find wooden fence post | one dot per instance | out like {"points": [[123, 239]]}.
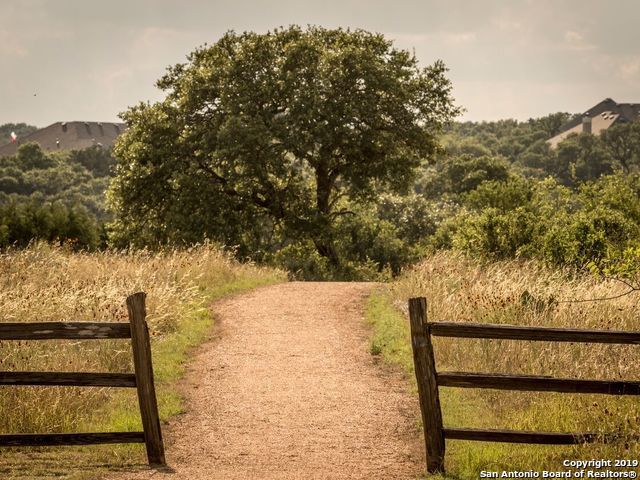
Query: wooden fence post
{"points": [[144, 379], [425, 368]]}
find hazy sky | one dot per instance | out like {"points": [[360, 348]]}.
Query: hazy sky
{"points": [[88, 60]]}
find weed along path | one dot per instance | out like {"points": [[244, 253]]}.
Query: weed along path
{"points": [[287, 389]]}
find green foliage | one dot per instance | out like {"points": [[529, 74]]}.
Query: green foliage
{"points": [[21, 223], [581, 158], [302, 261], [20, 129], [504, 195], [589, 235], [31, 157], [495, 234], [413, 216], [96, 160], [462, 174], [365, 239], [507, 138], [622, 142], [520, 218], [624, 265], [34, 174], [537, 161], [268, 140], [53, 196], [317, 150], [509, 194]]}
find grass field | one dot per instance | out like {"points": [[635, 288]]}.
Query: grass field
{"points": [[43, 283], [523, 293]]}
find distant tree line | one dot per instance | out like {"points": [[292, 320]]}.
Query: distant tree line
{"points": [[20, 129], [333, 154], [57, 197], [500, 191], [480, 194]]}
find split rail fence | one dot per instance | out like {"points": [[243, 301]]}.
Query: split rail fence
{"points": [[429, 380], [142, 379]]}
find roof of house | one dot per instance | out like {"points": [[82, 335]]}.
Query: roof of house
{"points": [[69, 136], [601, 116]]}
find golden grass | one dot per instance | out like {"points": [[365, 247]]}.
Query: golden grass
{"points": [[526, 293], [44, 283]]}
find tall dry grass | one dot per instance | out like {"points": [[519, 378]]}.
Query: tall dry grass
{"points": [[43, 283], [527, 293]]}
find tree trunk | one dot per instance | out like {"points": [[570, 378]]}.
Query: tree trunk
{"points": [[324, 239], [324, 185], [327, 250]]}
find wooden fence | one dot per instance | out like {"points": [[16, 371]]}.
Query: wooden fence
{"points": [[429, 380], [142, 379]]}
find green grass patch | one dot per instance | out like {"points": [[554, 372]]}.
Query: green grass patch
{"points": [[392, 341], [391, 336]]}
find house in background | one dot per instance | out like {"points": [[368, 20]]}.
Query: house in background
{"points": [[598, 118], [69, 136]]}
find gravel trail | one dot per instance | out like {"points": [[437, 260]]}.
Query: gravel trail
{"points": [[287, 389]]}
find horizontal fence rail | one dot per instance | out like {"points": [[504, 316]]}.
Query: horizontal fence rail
{"points": [[63, 331], [511, 436], [55, 439], [429, 380], [70, 379], [530, 383], [541, 334], [142, 380]]}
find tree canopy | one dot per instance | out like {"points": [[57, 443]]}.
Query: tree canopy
{"points": [[53, 196], [265, 139], [20, 129]]}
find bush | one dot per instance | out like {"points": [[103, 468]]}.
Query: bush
{"points": [[22, 223], [542, 219], [495, 234], [302, 261], [591, 236]]}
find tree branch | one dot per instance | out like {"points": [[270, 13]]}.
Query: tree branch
{"points": [[224, 183], [632, 288]]}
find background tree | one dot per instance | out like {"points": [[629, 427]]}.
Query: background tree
{"points": [[283, 132], [580, 158], [20, 129], [53, 196], [622, 141]]}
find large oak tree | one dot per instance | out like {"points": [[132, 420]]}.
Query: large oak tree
{"points": [[275, 135]]}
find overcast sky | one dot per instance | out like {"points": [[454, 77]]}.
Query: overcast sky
{"points": [[88, 60]]}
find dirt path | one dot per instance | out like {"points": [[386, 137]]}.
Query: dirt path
{"points": [[288, 390]]}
